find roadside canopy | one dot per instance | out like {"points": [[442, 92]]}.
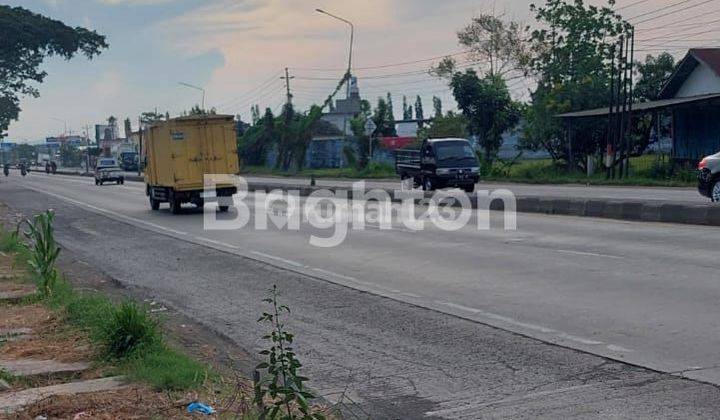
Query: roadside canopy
{"points": [[642, 106]]}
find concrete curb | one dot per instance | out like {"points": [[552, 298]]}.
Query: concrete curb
{"points": [[641, 211]]}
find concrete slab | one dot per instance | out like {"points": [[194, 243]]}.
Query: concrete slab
{"points": [[14, 401], [15, 296], [31, 367], [14, 334]]}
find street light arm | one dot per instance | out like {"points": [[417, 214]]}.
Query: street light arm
{"points": [[352, 37]]}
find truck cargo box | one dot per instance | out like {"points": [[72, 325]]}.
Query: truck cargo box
{"points": [[179, 152]]}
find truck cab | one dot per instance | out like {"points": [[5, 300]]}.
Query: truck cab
{"points": [[440, 163]]}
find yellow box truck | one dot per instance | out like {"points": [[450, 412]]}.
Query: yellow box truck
{"points": [[179, 152]]}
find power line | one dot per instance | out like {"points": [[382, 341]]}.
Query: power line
{"points": [[682, 23], [384, 66], [675, 11], [269, 81], [637, 3], [675, 37]]}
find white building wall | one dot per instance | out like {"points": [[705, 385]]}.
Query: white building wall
{"points": [[702, 81]]}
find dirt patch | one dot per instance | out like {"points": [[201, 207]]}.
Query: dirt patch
{"points": [[35, 317], [131, 403], [53, 342]]}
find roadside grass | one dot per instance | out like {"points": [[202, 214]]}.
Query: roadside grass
{"points": [[647, 170], [130, 338], [373, 171]]}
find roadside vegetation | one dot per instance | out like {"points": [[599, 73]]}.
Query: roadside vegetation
{"points": [[372, 171], [129, 341], [129, 337], [647, 170]]}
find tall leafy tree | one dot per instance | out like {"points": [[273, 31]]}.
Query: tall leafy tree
{"points": [[487, 106], [407, 113], [257, 140], [444, 126], [390, 122], [499, 43], [571, 56], [419, 109], [652, 74], [382, 117], [437, 107], [26, 39]]}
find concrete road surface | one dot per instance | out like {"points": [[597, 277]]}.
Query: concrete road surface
{"points": [[643, 293]]}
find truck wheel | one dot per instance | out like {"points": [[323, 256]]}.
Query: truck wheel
{"points": [[469, 188], [427, 184], [154, 204], [175, 204]]}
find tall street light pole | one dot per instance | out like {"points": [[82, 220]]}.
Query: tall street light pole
{"points": [[352, 37], [196, 88]]}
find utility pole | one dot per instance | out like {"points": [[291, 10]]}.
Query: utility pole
{"points": [[610, 128], [287, 85], [631, 99]]}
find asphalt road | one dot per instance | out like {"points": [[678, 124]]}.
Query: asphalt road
{"points": [[682, 195], [639, 292], [672, 194]]}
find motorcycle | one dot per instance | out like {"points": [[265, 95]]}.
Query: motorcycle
{"points": [[6, 169], [23, 170]]}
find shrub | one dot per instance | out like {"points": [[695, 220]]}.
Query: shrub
{"points": [[44, 250], [166, 369], [128, 329]]}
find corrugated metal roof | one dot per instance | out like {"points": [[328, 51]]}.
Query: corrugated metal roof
{"points": [[642, 106]]}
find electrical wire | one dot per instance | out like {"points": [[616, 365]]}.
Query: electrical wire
{"points": [[675, 11]]}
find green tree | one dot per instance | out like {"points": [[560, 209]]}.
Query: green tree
{"points": [[390, 122], [448, 126], [652, 76], [383, 119], [70, 156], [437, 107], [197, 110], [487, 106], [26, 39], [151, 117], [407, 113], [256, 142], [501, 44], [570, 56], [419, 109]]}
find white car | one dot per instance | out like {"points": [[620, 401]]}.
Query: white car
{"points": [[108, 170]]}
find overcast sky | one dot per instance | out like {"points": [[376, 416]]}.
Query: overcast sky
{"points": [[237, 50]]}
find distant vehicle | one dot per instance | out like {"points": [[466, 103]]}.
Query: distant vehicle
{"points": [[709, 177], [129, 161], [179, 152], [440, 163], [107, 170]]}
